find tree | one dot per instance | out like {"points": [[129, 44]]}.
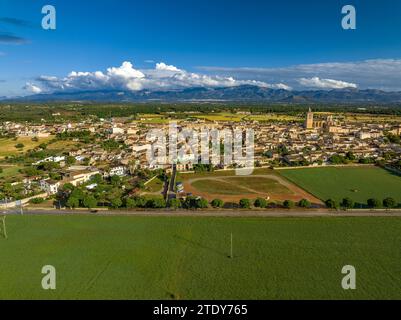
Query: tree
{"points": [[68, 187], [156, 203], [130, 203], [331, 204], [288, 204], [245, 203], [70, 160], [19, 146], [72, 202], [97, 178], [174, 203], [89, 201], [304, 203], [350, 156], [217, 203], [347, 203], [140, 202], [115, 180], [389, 203], [373, 203], [116, 203], [202, 203], [260, 203]]}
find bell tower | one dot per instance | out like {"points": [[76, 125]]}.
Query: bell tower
{"points": [[309, 120]]}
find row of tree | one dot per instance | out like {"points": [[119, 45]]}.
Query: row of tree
{"points": [[348, 203]]}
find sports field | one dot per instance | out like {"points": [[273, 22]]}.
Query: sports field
{"points": [[358, 183], [229, 187], [187, 257]]}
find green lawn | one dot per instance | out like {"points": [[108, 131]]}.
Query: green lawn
{"points": [[187, 257], [240, 185], [260, 184], [358, 183], [219, 187]]}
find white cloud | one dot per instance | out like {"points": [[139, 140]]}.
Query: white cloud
{"points": [[383, 74], [316, 82], [32, 88], [163, 66], [126, 77]]}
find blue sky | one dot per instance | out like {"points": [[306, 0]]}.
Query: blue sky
{"points": [[271, 42]]}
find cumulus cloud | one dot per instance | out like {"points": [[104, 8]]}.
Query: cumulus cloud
{"points": [[126, 77], [383, 74], [316, 82], [32, 88]]}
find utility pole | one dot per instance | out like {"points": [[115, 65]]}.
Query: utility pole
{"points": [[231, 251], [4, 226]]}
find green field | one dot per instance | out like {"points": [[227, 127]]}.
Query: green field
{"points": [[240, 185], [187, 257], [358, 183]]}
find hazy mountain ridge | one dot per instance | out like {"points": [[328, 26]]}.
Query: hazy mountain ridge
{"points": [[240, 93]]}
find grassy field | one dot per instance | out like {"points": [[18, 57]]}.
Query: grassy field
{"points": [[7, 146], [187, 257], [240, 185], [11, 171], [227, 186], [358, 183]]}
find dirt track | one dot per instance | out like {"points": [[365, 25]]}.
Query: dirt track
{"points": [[295, 213]]}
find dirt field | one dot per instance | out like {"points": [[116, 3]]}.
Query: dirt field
{"points": [[233, 188]]}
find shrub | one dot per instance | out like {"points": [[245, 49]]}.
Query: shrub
{"points": [[260, 203], [304, 203], [156, 203], [347, 203], [245, 203], [174, 203], [37, 200], [330, 203], [130, 203], [217, 203], [389, 203], [288, 204], [373, 203]]}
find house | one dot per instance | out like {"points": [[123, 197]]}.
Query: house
{"points": [[49, 186], [79, 177]]}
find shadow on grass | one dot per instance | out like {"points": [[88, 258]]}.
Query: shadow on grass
{"points": [[200, 245]]}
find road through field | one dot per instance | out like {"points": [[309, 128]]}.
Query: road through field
{"points": [[225, 213]]}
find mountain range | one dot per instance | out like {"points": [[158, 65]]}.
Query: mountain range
{"points": [[244, 93]]}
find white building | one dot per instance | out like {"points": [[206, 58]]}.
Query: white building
{"points": [[49, 186]]}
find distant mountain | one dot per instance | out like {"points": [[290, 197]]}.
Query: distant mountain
{"points": [[240, 93]]}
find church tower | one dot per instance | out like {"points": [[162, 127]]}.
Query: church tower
{"points": [[309, 120]]}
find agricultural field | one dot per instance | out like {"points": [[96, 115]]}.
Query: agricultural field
{"points": [[126, 257], [8, 146], [229, 187], [357, 183]]}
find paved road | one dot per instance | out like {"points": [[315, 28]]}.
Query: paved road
{"points": [[225, 213]]}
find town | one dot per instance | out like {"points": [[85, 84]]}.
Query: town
{"points": [[109, 157]]}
